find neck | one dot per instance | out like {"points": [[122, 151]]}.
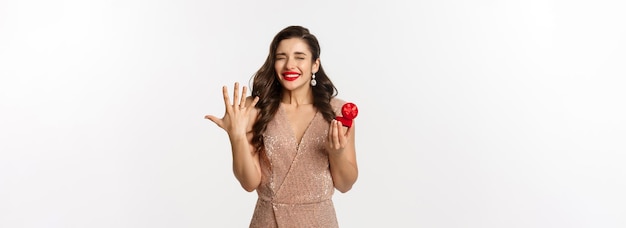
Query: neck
{"points": [[298, 97]]}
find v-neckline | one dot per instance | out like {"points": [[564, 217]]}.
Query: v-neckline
{"points": [[294, 137]]}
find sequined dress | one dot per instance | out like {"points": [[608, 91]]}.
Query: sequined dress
{"points": [[297, 190]]}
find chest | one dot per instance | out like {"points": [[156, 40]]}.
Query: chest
{"points": [[298, 120]]}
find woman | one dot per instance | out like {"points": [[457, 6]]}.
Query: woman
{"points": [[285, 142]]}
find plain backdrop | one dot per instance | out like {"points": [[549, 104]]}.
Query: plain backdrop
{"points": [[483, 113]]}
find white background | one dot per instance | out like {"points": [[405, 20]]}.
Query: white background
{"points": [[472, 113]]}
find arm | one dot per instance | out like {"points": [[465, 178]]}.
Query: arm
{"points": [[246, 165], [237, 122], [342, 156]]}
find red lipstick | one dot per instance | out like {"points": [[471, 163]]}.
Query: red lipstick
{"points": [[291, 75]]}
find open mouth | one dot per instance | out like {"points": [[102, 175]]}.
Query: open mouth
{"points": [[291, 76]]}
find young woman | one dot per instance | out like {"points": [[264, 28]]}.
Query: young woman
{"points": [[286, 143]]}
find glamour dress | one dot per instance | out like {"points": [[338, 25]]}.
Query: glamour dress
{"points": [[297, 190]]}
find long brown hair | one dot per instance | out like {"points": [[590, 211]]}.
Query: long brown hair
{"points": [[269, 90]]}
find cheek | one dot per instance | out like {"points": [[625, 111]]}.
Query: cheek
{"points": [[277, 66], [305, 66]]}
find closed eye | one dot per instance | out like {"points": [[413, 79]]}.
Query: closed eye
{"points": [[280, 56]]}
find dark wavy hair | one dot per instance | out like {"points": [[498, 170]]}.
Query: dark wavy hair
{"points": [[269, 90]]}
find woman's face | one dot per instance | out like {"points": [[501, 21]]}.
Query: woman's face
{"points": [[293, 64]]}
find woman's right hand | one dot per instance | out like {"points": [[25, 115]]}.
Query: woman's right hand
{"points": [[237, 115]]}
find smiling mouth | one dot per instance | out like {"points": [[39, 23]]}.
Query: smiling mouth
{"points": [[291, 76]]}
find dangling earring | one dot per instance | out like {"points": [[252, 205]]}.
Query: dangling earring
{"points": [[313, 82]]}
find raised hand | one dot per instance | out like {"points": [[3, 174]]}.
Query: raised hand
{"points": [[237, 115], [338, 137]]}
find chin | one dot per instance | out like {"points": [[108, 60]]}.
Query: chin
{"points": [[292, 86]]}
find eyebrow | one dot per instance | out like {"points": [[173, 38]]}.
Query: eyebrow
{"points": [[297, 53]]}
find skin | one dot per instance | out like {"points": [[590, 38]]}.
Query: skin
{"points": [[292, 55]]}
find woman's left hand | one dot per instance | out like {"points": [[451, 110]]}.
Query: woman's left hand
{"points": [[337, 137], [342, 155]]}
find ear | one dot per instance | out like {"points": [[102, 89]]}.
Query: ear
{"points": [[316, 66]]}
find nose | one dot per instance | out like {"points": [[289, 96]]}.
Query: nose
{"points": [[290, 64]]}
